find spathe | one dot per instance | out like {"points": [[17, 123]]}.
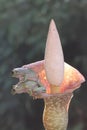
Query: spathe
{"points": [[71, 81]]}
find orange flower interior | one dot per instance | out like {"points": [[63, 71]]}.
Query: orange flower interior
{"points": [[72, 80]]}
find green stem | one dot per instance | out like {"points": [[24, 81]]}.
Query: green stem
{"points": [[55, 116]]}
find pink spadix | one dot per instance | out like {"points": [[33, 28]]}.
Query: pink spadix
{"points": [[54, 60]]}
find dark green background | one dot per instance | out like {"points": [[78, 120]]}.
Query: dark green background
{"points": [[23, 31]]}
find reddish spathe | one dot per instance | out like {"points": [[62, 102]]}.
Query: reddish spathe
{"points": [[72, 78]]}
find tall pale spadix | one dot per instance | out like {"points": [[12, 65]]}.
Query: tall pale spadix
{"points": [[54, 60]]}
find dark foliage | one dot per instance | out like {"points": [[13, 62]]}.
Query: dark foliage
{"points": [[23, 30]]}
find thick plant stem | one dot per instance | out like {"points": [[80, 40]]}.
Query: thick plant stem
{"points": [[55, 116]]}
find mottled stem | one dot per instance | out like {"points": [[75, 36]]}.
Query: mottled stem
{"points": [[55, 116]]}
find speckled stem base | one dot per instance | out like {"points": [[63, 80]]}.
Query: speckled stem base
{"points": [[55, 116]]}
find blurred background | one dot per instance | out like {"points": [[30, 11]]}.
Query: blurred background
{"points": [[23, 31]]}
